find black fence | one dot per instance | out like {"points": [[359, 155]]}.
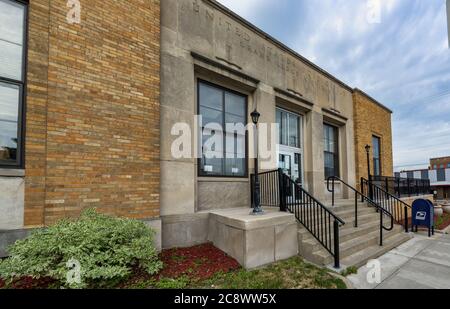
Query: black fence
{"points": [[279, 190], [403, 187]]}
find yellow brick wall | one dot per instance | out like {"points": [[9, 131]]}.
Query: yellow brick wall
{"points": [[92, 137], [371, 119]]}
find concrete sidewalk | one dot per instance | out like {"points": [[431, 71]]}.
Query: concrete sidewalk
{"points": [[421, 263]]}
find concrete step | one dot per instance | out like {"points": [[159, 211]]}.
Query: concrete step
{"points": [[310, 243], [361, 258], [350, 222], [354, 240], [351, 246], [346, 214], [343, 203]]}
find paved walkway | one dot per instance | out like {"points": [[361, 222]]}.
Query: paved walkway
{"points": [[421, 263]]}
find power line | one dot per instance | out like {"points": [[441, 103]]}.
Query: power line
{"points": [[397, 166]]}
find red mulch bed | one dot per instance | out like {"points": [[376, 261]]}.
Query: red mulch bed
{"points": [[198, 263], [27, 283], [445, 221], [445, 218]]}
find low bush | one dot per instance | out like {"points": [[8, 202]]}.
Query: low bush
{"points": [[94, 251]]}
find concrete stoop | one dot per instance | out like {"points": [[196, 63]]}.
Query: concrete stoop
{"points": [[358, 245]]}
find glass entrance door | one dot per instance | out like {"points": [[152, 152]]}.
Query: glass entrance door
{"points": [[290, 163], [290, 152]]}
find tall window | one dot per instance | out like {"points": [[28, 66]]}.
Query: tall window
{"points": [[289, 128], [12, 80], [220, 110], [331, 153], [376, 145]]}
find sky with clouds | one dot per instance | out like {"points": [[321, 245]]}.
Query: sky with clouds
{"points": [[403, 60]]}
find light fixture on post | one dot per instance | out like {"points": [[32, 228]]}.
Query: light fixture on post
{"points": [[257, 210]]}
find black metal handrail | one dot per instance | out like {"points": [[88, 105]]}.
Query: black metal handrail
{"points": [[394, 205], [332, 191], [380, 209], [278, 189], [399, 186]]}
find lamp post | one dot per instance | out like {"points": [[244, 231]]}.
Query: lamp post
{"points": [[369, 177], [257, 210]]}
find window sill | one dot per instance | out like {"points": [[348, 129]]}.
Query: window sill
{"points": [[222, 179], [6, 172]]}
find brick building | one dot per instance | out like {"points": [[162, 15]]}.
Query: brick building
{"points": [[79, 104], [440, 163], [87, 110], [372, 127]]}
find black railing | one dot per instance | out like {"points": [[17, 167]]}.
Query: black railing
{"points": [[278, 189], [402, 187], [331, 188], [364, 198], [397, 208]]}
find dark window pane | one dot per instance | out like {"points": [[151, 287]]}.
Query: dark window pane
{"points": [[211, 97], [9, 115], [235, 167], [213, 167], [284, 128], [441, 175], [227, 157], [331, 151], [278, 120], [294, 131], [289, 125], [210, 115], [376, 150], [425, 175], [233, 120], [235, 105]]}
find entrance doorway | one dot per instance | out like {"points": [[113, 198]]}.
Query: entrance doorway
{"points": [[289, 148]]}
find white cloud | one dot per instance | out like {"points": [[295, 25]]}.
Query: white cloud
{"points": [[404, 61], [246, 8]]}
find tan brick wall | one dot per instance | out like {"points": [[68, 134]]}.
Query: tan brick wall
{"points": [[371, 119], [92, 135]]}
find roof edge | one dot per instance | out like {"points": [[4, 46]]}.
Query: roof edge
{"points": [[357, 90], [289, 50], [281, 45]]}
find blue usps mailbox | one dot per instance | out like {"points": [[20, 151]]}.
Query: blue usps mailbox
{"points": [[423, 215]]}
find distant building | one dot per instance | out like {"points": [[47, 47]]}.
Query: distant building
{"points": [[439, 163], [438, 173]]}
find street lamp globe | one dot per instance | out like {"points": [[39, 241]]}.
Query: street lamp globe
{"points": [[255, 116]]}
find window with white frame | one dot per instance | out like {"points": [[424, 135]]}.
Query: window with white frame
{"points": [[289, 128]]}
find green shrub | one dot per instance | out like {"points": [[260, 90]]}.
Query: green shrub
{"points": [[352, 270], [106, 248], [172, 284]]}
